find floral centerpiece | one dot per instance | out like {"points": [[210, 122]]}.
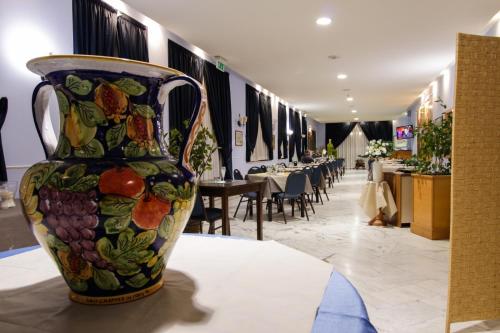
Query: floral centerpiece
{"points": [[378, 148]]}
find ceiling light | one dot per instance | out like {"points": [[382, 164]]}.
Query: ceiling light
{"points": [[354, 111], [342, 76], [349, 99], [356, 119], [323, 21]]}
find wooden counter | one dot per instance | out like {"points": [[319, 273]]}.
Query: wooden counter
{"points": [[402, 191]]}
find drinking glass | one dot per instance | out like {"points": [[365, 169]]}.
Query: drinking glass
{"points": [[222, 172]]}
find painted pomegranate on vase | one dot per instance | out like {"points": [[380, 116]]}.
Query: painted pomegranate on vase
{"points": [[108, 204]]}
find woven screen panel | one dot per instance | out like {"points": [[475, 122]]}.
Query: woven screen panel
{"points": [[474, 288]]}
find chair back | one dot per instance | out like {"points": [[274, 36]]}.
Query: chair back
{"points": [[295, 183], [308, 171], [199, 208], [237, 175], [283, 164], [254, 170], [316, 176], [324, 170], [264, 168]]}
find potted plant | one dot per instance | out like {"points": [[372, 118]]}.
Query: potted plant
{"points": [[432, 181], [201, 155]]}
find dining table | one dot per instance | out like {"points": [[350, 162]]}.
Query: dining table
{"points": [[227, 188], [212, 283], [275, 182]]}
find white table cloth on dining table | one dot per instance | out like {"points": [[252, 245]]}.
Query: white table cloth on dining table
{"points": [[276, 182], [375, 196], [212, 284]]}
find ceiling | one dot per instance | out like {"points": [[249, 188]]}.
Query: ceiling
{"points": [[390, 49]]}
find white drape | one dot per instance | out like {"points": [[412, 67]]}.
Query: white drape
{"points": [[261, 152], [354, 145]]}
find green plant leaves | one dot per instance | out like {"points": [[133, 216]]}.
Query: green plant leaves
{"points": [[77, 85], [130, 86], [64, 149], [158, 267], [93, 149], [137, 281], [166, 166], [85, 184], [134, 150], [75, 171], [75, 284], [144, 169], [115, 205], [144, 111], [115, 135], [116, 224], [154, 149], [105, 279], [165, 190], [56, 243], [166, 226], [90, 114], [130, 252], [63, 102]]}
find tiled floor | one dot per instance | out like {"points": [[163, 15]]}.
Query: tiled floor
{"points": [[402, 277]]}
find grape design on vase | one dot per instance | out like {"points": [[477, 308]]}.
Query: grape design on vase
{"points": [[111, 228]]}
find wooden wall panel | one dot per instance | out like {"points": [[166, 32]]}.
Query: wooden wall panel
{"points": [[474, 288]]}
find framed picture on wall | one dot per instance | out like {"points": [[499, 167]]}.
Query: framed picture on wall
{"points": [[238, 138]]}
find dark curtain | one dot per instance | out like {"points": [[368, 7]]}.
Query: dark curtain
{"points": [[291, 141], [266, 122], [282, 139], [181, 99], [375, 130], [94, 28], [252, 113], [3, 115], [304, 134], [298, 135], [338, 132], [132, 39], [219, 103]]}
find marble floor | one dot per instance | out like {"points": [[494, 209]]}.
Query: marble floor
{"points": [[402, 277]]}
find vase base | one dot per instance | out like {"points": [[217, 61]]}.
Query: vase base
{"points": [[108, 300]]}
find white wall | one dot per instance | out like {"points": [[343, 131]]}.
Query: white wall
{"points": [[443, 86], [34, 28], [28, 29]]}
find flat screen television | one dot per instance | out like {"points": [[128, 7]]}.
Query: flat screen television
{"points": [[404, 132]]}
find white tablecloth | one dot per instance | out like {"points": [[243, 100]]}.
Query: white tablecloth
{"points": [[212, 285], [375, 196], [277, 182]]}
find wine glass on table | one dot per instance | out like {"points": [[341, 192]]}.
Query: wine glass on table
{"points": [[222, 173]]}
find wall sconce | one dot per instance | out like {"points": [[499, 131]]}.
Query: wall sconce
{"points": [[242, 120], [289, 132]]}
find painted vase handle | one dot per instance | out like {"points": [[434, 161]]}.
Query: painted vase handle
{"points": [[200, 108], [41, 116]]}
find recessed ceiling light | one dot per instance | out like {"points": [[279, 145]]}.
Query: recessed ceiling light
{"points": [[354, 111], [323, 21], [349, 99], [356, 119], [342, 76]]}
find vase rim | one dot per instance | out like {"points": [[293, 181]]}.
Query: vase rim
{"points": [[47, 64]]}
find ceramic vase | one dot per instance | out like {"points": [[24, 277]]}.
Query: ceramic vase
{"points": [[108, 204]]}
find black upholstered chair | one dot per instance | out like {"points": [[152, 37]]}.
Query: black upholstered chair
{"points": [[210, 215], [246, 197], [294, 191]]}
